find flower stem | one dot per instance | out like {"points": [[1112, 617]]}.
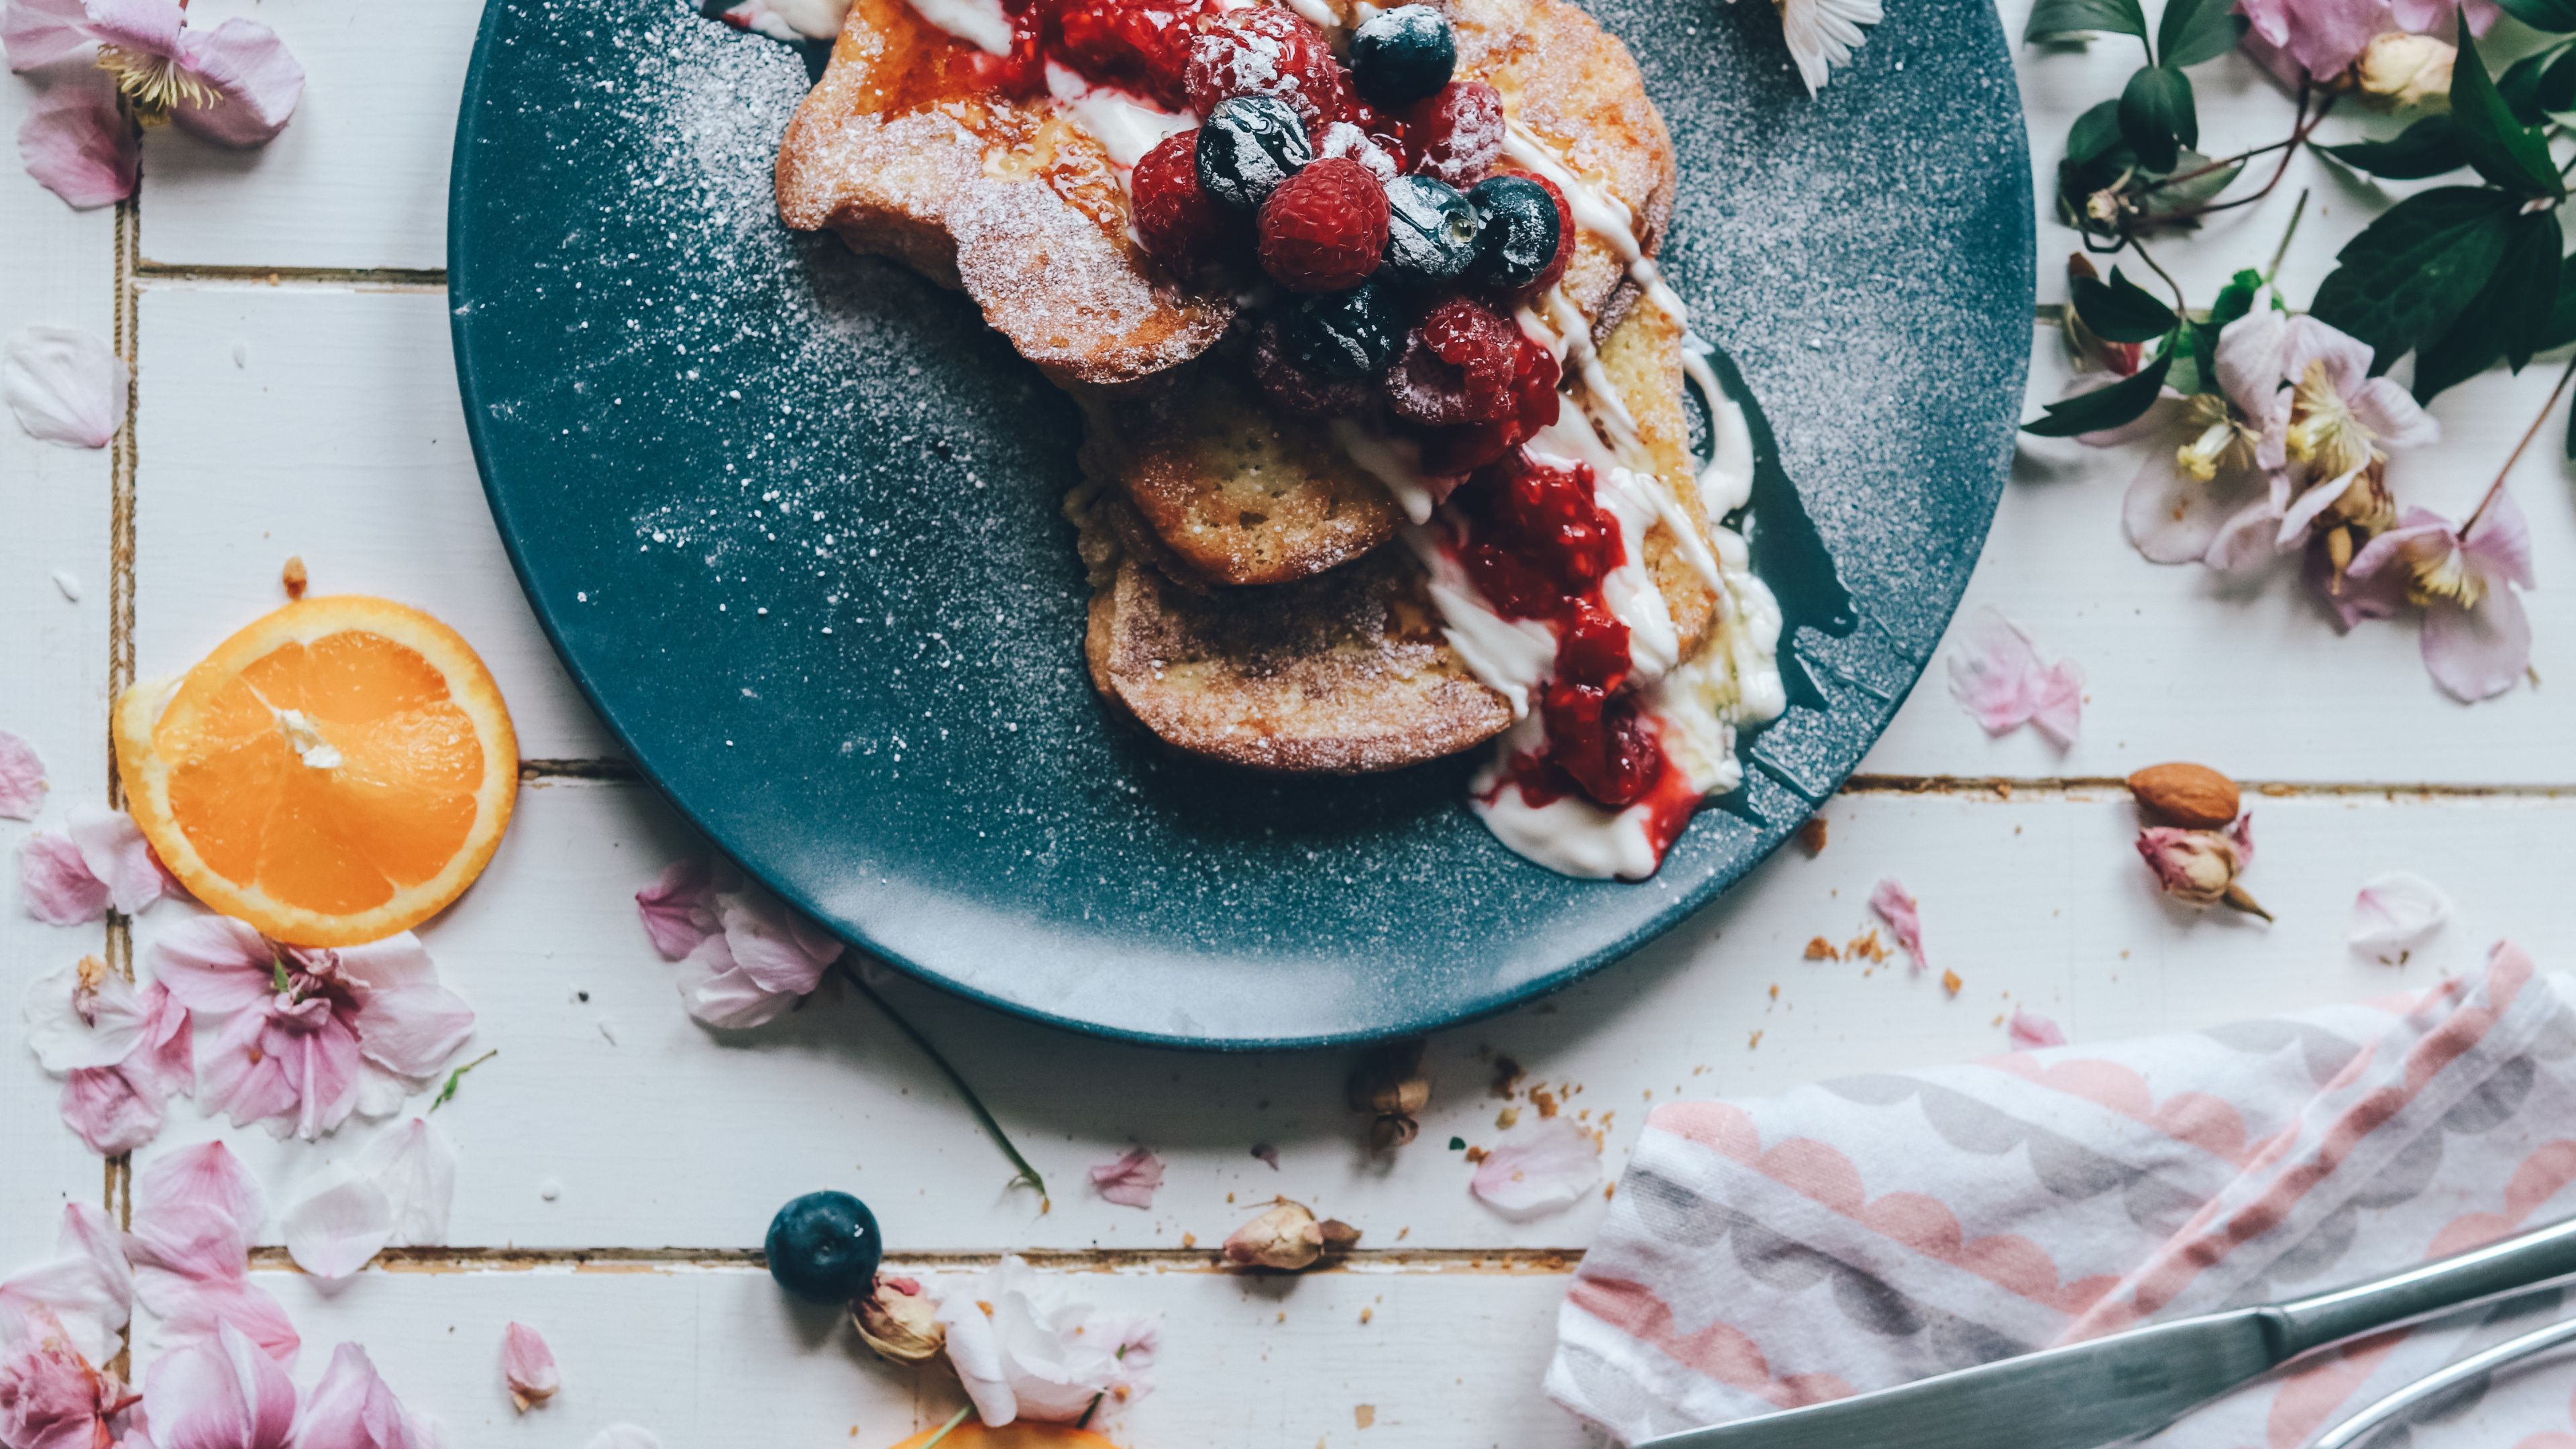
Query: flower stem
{"points": [[2282, 252], [2179, 304], [974, 1103], [2528, 434], [953, 1421], [454, 1077]]}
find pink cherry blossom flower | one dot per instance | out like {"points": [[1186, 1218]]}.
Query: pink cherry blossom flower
{"points": [[22, 779], [63, 385], [2030, 1031], [221, 1393], [2215, 453], [87, 1287], [2395, 913], [747, 955], [2324, 37], [1130, 1181], [234, 84], [1019, 1360], [351, 1408], [101, 860], [1903, 914], [2476, 638], [121, 1051], [1545, 1168], [398, 1191], [196, 1215], [1996, 676], [309, 1036], [528, 1367], [59, 1322], [77, 147]]}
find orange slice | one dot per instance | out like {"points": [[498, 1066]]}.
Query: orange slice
{"points": [[333, 774], [1018, 1434]]}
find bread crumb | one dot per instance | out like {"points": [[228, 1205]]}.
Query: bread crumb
{"points": [[294, 577], [1748, 1046], [1474, 1154], [1951, 983], [1812, 835], [1775, 993], [1367, 1313], [1508, 1118], [1189, 1240], [1545, 1101], [1820, 949], [1507, 1076], [1608, 1188], [1365, 1413]]}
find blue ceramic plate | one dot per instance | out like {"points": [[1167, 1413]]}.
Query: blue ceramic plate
{"points": [[791, 517]]}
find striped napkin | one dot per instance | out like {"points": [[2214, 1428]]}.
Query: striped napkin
{"points": [[1860, 1233]]}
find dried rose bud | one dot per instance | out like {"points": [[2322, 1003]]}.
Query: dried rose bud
{"points": [[2397, 70], [2199, 867], [1390, 1085], [898, 1320], [1287, 1237]]}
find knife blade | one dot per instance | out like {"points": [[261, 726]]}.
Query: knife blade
{"points": [[2084, 1395]]}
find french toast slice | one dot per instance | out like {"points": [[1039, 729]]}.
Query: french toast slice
{"points": [[1242, 495], [1345, 671], [898, 152]]}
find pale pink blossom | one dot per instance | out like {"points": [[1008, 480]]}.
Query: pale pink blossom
{"points": [[2215, 455], [220, 1393], [398, 1191], [2476, 639], [309, 1036], [234, 84], [22, 778], [1546, 1167], [77, 147], [747, 956], [1996, 676], [528, 1367], [59, 1323], [121, 1051], [351, 1408], [54, 883], [2395, 913], [1903, 914], [2030, 1031], [2324, 37], [100, 860], [1130, 1181], [1020, 1360], [196, 1215], [64, 385], [2337, 422]]}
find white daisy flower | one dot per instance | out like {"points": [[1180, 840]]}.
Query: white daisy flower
{"points": [[1822, 34]]}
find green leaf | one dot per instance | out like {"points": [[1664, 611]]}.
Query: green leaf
{"points": [[2509, 316], [2124, 401], [2094, 135], [2075, 19], [2562, 318], [2555, 16], [2156, 117], [2505, 151], [2233, 302], [2538, 84], [2409, 275], [2428, 148], [2196, 30], [2120, 310]]}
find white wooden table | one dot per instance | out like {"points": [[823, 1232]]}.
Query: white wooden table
{"points": [[285, 314]]}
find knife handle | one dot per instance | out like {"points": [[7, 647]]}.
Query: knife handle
{"points": [[2501, 1268]]}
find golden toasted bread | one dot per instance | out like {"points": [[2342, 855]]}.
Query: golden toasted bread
{"points": [[896, 152]]}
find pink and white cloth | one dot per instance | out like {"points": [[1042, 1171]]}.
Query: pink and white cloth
{"points": [[1856, 1234]]}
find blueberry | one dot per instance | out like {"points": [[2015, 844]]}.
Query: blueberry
{"points": [[1345, 334], [1402, 55], [1431, 230], [1520, 234], [824, 1246], [1248, 146]]}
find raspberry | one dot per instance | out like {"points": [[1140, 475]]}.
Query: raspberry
{"points": [[1323, 229], [1456, 134], [1143, 49], [1555, 272], [1450, 452], [1183, 227], [1263, 52], [1456, 368], [1294, 388]]}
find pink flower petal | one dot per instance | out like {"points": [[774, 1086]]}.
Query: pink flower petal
{"points": [[86, 1286], [773, 944], [1130, 1181], [193, 1312], [1546, 1168], [111, 1111], [2252, 352], [339, 1222], [149, 27], [528, 1366], [259, 81], [723, 995], [64, 385], [413, 1032], [1904, 914], [2395, 913], [220, 1394], [2250, 536], [58, 887], [2172, 517], [22, 778], [415, 1166], [214, 965], [1995, 674], [679, 908], [2478, 653], [2392, 413], [166, 1057], [2500, 542], [353, 1409], [2057, 703], [40, 32], [51, 1397], [196, 1214], [83, 1015], [2030, 1031], [2354, 597], [2306, 339], [113, 848], [77, 147]]}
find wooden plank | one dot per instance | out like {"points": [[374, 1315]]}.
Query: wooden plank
{"points": [[649, 1131], [720, 1355], [60, 272], [323, 422], [357, 179]]}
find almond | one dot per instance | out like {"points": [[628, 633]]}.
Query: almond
{"points": [[2193, 796]]}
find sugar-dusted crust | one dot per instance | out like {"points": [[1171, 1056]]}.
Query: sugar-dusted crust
{"points": [[1020, 209], [1643, 356]]}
